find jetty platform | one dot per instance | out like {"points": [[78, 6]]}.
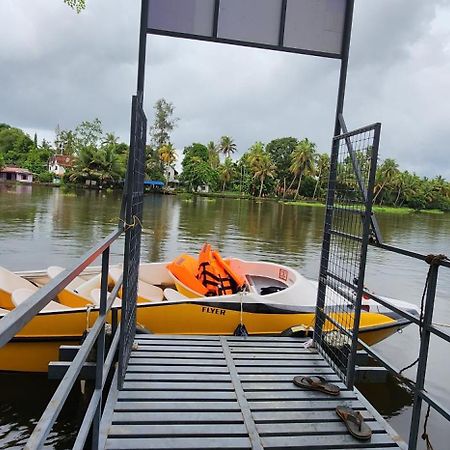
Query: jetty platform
{"points": [[205, 392]]}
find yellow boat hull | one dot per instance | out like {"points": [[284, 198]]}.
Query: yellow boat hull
{"points": [[39, 341]]}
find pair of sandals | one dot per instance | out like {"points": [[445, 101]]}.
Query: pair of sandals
{"points": [[352, 419]]}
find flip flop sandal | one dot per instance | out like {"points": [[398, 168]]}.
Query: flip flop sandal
{"points": [[354, 422], [316, 383]]}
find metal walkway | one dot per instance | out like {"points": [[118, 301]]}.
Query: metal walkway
{"points": [[204, 392]]}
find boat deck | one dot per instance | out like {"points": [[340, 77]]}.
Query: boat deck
{"points": [[204, 392]]}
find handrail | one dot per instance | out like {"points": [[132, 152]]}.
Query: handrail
{"points": [[17, 318], [45, 424], [427, 328]]}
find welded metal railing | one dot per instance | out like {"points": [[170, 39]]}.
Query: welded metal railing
{"points": [[16, 319], [123, 332], [427, 329]]}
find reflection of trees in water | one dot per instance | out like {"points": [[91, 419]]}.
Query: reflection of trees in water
{"points": [[19, 205], [89, 214], [157, 221], [266, 227], [388, 398]]}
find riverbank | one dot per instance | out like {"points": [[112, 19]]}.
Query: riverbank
{"points": [[306, 202]]}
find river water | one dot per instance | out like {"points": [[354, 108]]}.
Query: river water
{"points": [[42, 226]]}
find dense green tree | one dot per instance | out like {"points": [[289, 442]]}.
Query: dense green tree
{"points": [[88, 134], [196, 168], [280, 151], [14, 145], [163, 123]]}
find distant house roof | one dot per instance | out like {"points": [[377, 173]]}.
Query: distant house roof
{"points": [[153, 183], [62, 160], [12, 169]]}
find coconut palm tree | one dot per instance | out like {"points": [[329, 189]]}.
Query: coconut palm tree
{"points": [[262, 168], [226, 172], [227, 146], [302, 161], [213, 155], [385, 175], [167, 154], [322, 169], [110, 139]]}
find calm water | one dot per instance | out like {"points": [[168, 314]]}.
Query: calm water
{"points": [[46, 226]]}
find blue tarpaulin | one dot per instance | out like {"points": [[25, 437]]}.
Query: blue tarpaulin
{"points": [[153, 183]]}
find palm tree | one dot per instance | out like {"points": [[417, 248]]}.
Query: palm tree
{"points": [[322, 168], [213, 155], [262, 168], [110, 140], [386, 174], [167, 154], [226, 171], [302, 161], [227, 146]]}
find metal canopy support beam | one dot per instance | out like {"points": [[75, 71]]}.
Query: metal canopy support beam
{"points": [[344, 63], [142, 49]]}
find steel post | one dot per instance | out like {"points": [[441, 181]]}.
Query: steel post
{"points": [[423, 355]]}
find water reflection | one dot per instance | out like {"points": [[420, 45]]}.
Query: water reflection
{"points": [[42, 226], [389, 398]]}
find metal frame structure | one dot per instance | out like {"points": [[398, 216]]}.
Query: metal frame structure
{"points": [[344, 248], [134, 198]]}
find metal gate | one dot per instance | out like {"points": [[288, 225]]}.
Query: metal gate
{"points": [[348, 226], [132, 205]]}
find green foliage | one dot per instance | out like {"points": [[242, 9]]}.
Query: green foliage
{"points": [[45, 177], [196, 168], [77, 5], [280, 151], [163, 124], [88, 134]]}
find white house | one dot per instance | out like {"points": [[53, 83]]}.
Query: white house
{"points": [[58, 164]]}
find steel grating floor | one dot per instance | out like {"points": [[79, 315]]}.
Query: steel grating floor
{"points": [[205, 392]]}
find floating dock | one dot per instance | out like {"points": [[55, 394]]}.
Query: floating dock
{"points": [[204, 392]]}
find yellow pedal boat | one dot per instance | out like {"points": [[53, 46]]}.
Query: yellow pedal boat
{"points": [[275, 298]]}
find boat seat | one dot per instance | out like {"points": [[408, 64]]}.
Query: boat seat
{"points": [[21, 295], [9, 282], [77, 293], [95, 296], [146, 292], [172, 295]]}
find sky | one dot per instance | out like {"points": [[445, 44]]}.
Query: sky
{"points": [[60, 68]]}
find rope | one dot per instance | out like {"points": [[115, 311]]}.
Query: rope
{"points": [[425, 436], [432, 260], [127, 226]]}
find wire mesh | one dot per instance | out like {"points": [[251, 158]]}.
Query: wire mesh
{"points": [[344, 250], [132, 208]]}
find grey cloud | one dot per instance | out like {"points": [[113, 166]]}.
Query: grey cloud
{"points": [[57, 67]]}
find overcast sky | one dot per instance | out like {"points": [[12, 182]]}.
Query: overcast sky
{"points": [[57, 67]]}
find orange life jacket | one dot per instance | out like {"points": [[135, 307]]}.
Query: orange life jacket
{"points": [[217, 275], [206, 271], [184, 267]]}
